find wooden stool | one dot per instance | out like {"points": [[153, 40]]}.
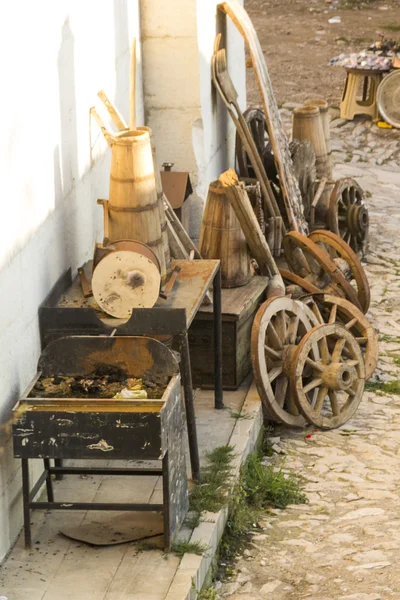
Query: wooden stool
{"points": [[350, 105]]}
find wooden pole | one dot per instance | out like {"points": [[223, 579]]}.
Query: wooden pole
{"points": [[132, 88]]}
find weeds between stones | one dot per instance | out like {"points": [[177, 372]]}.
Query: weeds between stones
{"points": [[181, 547], [386, 387]]}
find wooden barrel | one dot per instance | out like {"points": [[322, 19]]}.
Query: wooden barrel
{"points": [[160, 194], [323, 111], [133, 205], [307, 125], [222, 237]]}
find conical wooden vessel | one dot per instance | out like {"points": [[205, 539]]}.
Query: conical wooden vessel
{"points": [[222, 237], [160, 199], [133, 204], [323, 111], [307, 125]]}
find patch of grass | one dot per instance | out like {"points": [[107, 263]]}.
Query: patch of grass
{"points": [[389, 338], [266, 487], [207, 594], [259, 487], [193, 520], [387, 387], [180, 548], [391, 27], [240, 415], [210, 493]]}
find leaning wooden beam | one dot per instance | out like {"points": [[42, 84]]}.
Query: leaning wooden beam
{"points": [[180, 231], [245, 135], [259, 248], [287, 179], [114, 112]]}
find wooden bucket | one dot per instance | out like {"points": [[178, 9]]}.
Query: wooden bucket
{"points": [[222, 237], [133, 205], [323, 111], [160, 194], [307, 125]]}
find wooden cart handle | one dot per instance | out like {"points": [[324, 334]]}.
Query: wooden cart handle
{"points": [[108, 136]]}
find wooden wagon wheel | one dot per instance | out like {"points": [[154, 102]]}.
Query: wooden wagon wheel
{"points": [[338, 377], [279, 325], [332, 309], [257, 125], [308, 260], [346, 259], [347, 214]]}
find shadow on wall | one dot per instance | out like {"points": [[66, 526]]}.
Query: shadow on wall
{"points": [[122, 48]]}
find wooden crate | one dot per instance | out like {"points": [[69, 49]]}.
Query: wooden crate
{"points": [[239, 307]]}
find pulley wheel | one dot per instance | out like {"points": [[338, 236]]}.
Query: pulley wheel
{"points": [[126, 279]]}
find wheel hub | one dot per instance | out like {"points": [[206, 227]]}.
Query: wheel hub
{"points": [[358, 219], [339, 376], [287, 358]]}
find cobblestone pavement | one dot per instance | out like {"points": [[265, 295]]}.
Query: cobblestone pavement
{"points": [[345, 544]]}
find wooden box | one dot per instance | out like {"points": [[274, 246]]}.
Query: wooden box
{"points": [[239, 307]]}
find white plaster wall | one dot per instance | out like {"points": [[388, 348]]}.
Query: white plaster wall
{"points": [[53, 165], [190, 126]]}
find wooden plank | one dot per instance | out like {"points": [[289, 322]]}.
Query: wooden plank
{"points": [[290, 189]]}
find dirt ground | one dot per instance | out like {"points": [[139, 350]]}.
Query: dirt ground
{"points": [[298, 42]]}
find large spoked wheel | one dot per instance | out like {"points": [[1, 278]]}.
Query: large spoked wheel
{"points": [[278, 327], [347, 214], [311, 262], [347, 261], [337, 380], [332, 309]]}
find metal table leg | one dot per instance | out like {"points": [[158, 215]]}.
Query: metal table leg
{"points": [[26, 501], [189, 406], [219, 397], [49, 483]]}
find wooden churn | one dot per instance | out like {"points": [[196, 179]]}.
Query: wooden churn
{"points": [[222, 237], [160, 199], [133, 206]]}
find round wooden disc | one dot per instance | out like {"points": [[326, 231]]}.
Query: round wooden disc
{"points": [[388, 98], [124, 280]]}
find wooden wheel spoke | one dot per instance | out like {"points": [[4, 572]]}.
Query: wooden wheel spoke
{"points": [[319, 403], [274, 373], [293, 328], [334, 403], [362, 341], [280, 321], [274, 336], [274, 354], [281, 388], [333, 313], [315, 365], [351, 392], [351, 363], [325, 354], [313, 384], [351, 323], [337, 351]]}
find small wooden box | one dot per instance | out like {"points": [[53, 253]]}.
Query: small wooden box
{"points": [[239, 307]]}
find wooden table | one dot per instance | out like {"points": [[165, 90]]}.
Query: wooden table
{"points": [[66, 312]]}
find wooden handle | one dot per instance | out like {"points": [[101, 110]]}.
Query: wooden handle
{"points": [[106, 216], [86, 289], [114, 113], [171, 282], [132, 88], [109, 138]]}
